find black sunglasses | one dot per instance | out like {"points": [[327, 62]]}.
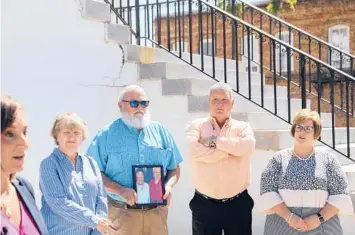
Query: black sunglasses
{"points": [[136, 103]]}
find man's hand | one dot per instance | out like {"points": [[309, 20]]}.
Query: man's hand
{"points": [[312, 222], [102, 225], [297, 223], [128, 194], [167, 195], [206, 140]]}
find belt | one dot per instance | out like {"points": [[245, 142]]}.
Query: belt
{"points": [[123, 205], [224, 200]]}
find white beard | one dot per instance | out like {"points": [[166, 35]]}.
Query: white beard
{"points": [[134, 121]]}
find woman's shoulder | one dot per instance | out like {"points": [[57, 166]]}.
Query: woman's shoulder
{"points": [[325, 155], [48, 161], [22, 181], [280, 155]]}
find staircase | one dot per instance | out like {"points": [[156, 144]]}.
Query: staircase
{"points": [[177, 84]]}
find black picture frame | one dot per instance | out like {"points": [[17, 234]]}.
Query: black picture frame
{"points": [[147, 171]]}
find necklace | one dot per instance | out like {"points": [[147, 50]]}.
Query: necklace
{"points": [[294, 153], [4, 205]]}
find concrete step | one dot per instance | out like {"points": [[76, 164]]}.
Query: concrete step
{"points": [[343, 149], [116, 33], [282, 105], [349, 170], [142, 54], [97, 11], [266, 121], [261, 120], [175, 71], [200, 87], [268, 90], [280, 139], [326, 119], [185, 86], [200, 104]]}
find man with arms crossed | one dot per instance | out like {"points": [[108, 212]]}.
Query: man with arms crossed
{"points": [[219, 152], [134, 140]]}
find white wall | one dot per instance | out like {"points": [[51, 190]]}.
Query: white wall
{"points": [[54, 61]]}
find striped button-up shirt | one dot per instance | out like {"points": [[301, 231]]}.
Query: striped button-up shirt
{"points": [[73, 197], [224, 171], [117, 147]]}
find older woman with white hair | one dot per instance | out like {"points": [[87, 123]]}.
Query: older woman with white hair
{"points": [[73, 200], [304, 189]]}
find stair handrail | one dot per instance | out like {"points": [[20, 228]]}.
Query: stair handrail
{"points": [[118, 16], [318, 40], [277, 40], [301, 53], [251, 29]]}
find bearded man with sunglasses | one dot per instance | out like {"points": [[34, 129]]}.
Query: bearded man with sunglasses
{"points": [[131, 140]]}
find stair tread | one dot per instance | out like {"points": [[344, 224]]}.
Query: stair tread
{"points": [[188, 65]]}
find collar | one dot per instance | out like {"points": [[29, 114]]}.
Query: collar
{"points": [[143, 186], [228, 122], [27, 197], [59, 154], [133, 129], [159, 182]]}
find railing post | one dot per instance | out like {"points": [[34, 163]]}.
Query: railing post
{"points": [[138, 23], [352, 97], [303, 81], [289, 79], [168, 24], [233, 32], [332, 102], [190, 30], [347, 85], [158, 19]]}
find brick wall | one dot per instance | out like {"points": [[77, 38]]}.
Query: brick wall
{"points": [[312, 16]]}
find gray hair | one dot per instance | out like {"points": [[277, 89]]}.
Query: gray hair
{"points": [[68, 120], [221, 86], [128, 89]]}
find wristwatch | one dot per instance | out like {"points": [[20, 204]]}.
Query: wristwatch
{"points": [[321, 218], [211, 144]]}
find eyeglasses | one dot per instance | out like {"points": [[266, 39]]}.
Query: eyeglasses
{"points": [[136, 103], [223, 101], [307, 129]]}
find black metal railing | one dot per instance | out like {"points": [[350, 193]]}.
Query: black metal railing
{"points": [[294, 36], [291, 34], [185, 28]]}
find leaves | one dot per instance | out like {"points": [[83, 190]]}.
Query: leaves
{"points": [[276, 6], [235, 9]]}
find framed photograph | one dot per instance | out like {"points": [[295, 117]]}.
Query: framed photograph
{"points": [[148, 182]]}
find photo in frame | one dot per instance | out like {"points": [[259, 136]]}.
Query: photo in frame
{"points": [[148, 182]]}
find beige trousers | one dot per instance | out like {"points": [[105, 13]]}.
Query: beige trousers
{"points": [[137, 221]]}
